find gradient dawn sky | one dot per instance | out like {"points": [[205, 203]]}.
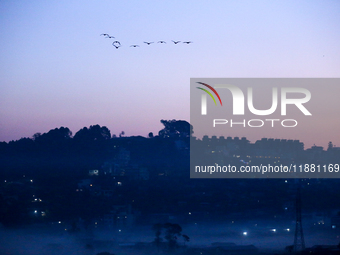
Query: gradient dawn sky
{"points": [[56, 69]]}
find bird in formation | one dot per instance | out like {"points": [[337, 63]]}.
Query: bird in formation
{"points": [[107, 36], [117, 44]]}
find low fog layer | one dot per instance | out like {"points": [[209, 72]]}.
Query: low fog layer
{"points": [[264, 235]]}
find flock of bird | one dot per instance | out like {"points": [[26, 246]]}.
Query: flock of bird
{"points": [[117, 44]]}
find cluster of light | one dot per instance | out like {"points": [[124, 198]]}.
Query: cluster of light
{"points": [[245, 233], [273, 230]]}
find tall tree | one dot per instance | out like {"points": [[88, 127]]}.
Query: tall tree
{"points": [[94, 133], [176, 128], [172, 231]]}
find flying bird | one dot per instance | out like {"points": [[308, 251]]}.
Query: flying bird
{"points": [[116, 44], [134, 45], [148, 43], [105, 34], [161, 42], [187, 42], [175, 42], [110, 36]]}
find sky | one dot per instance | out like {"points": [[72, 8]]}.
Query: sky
{"points": [[56, 70]]}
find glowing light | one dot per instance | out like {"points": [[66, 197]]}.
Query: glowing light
{"points": [[245, 233]]}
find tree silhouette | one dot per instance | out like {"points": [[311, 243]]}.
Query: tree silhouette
{"points": [[186, 238], [94, 133], [172, 231], [330, 146], [176, 128], [158, 231]]}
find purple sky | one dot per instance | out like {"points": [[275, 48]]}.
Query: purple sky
{"points": [[56, 69]]}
